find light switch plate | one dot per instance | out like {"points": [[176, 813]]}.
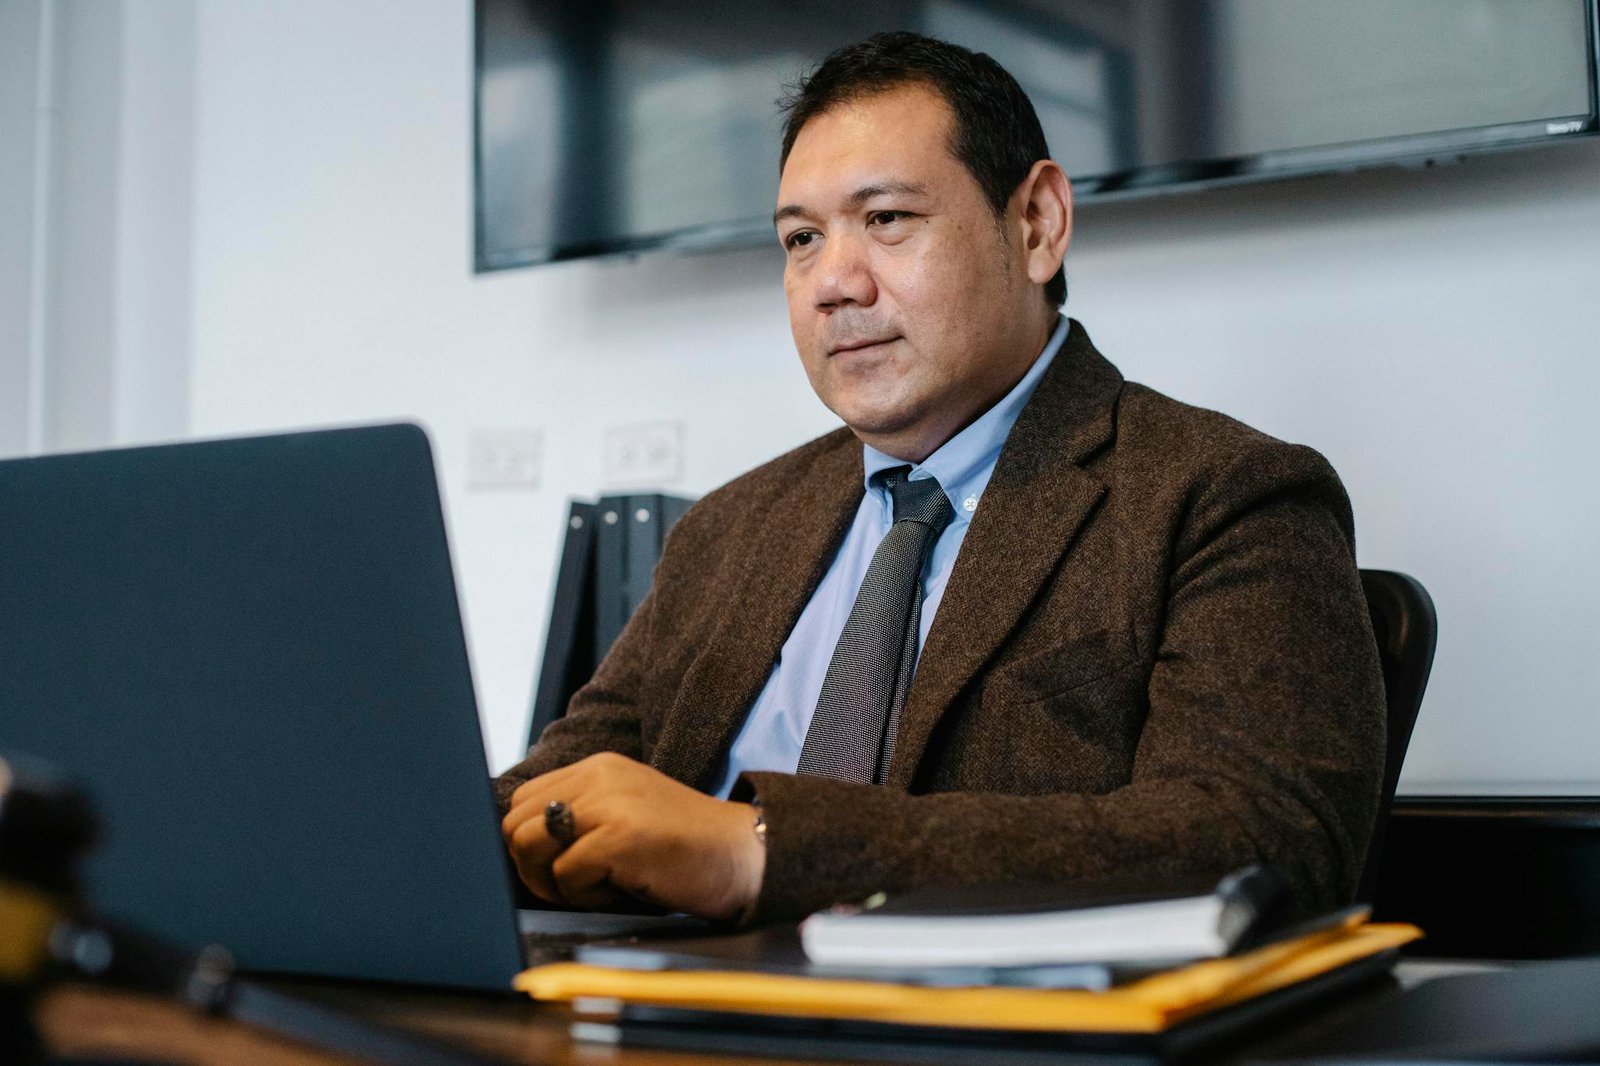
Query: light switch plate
{"points": [[645, 455], [504, 458]]}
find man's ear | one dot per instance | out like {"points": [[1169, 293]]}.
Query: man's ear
{"points": [[1045, 197]]}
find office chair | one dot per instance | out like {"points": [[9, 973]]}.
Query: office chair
{"points": [[1488, 877], [1407, 629]]}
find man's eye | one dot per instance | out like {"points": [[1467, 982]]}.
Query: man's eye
{"points": [[799, 240], [884, 218]]}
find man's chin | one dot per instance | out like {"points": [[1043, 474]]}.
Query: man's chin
{"points": [[902, 437], [874, 421], [875, 414]]}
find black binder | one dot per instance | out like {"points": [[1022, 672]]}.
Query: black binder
{"points": [[611, 608], [607, 567], [569, 656], [631, 531]]}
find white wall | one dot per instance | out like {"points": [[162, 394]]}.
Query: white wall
{"points": [[1432, 332], [96, 127], [21, 130]]}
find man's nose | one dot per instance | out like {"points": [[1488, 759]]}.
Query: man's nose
{"points": [[844, 275]]}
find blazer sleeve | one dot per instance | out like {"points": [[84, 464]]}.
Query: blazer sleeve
{"points": [[1262, 741]]}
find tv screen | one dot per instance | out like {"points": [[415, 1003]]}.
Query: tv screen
{"points": [[609, 126]]}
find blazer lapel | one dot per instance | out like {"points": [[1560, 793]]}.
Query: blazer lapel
{"points": [[1036, 501], [790, 548]]}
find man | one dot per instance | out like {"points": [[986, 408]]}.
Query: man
{"points": [[1019, 620]]}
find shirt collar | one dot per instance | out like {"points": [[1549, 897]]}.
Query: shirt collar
{"points": [[963, 463]]}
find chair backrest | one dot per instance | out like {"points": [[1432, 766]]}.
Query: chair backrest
{"points": [[1404, 622]]}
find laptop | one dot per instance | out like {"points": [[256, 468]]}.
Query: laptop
{"points": [[250, 654]]}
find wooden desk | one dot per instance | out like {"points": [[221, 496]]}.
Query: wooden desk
{"points": [[84, 1020]]}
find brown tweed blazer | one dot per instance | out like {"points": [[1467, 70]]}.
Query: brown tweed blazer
{"points": [[1152, 660]]}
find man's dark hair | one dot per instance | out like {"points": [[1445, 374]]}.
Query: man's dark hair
{"points": [[997, 136]]}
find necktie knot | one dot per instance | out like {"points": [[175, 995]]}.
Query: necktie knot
{"points": [[918, 501]]}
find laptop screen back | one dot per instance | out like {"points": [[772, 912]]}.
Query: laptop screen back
{"points": [[250, 653]]}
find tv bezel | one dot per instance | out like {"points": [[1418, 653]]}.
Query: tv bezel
{"points": [[1406, 151]]}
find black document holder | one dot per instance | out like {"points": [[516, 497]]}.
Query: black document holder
{"points": [[607, 566]]}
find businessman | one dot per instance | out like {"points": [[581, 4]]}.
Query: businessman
{"points": [[1017, 619]]}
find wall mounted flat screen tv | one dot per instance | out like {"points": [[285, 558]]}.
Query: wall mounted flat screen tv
{"points": [[608, 126]]}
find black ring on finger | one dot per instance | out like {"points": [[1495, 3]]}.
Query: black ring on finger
{"points": [[559, 823]]}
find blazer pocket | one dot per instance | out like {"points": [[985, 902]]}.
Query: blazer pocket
{"points": [[1057, 669], [1063, 719]]}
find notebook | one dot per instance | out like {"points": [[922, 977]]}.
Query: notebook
{"points": [[1027, 925], [250, 653]]}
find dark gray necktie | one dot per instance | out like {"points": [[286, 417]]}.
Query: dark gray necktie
{"points": [[858, 713]]}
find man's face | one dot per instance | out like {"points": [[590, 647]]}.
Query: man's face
{"points": [[910, 305]]}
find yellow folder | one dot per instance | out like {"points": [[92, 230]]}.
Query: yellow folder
{"points": [[1149, 1005]]}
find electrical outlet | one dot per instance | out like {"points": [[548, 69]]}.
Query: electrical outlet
{"points": [[645, 455], [504, 458]]}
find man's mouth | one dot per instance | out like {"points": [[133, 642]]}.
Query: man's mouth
{"points": [[858, 345]]}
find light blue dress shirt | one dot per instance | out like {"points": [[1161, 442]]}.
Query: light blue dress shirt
{"points": [[775, 729]]}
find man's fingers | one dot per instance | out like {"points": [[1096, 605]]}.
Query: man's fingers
{"points": [[582, 873], [571, 779], [532, 812], [521, 813], [545, 785], [638, 834], [533, 851]]}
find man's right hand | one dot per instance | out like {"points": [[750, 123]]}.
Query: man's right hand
{"points": [[639, 833]]}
